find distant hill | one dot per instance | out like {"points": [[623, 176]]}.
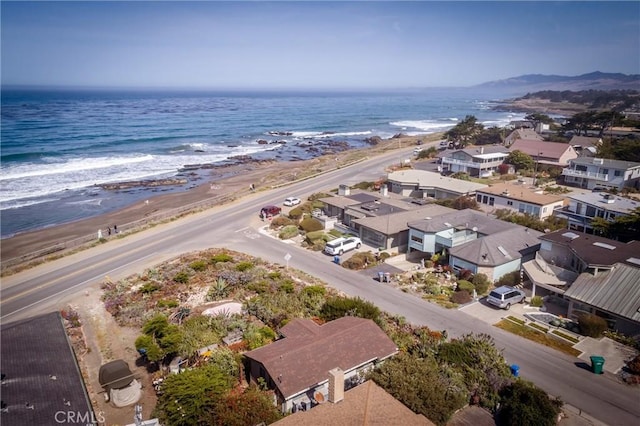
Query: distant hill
{"points": [[592, 81]]}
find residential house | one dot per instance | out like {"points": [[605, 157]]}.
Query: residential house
{"points": [[474, 241], [366, 404], [479, 161], [518, 198], [523, 133], [297, 366], [549, 153], [594, 274], [41, 380], [380, 221], [586, 206], [430, 185], [585, 146], [602, 173]]}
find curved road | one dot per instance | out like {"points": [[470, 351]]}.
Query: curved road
{"points": [[237, 226]]}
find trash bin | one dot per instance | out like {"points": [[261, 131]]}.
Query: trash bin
{"points": [[381, 276], [387, 276], [597, 363], [515, 370], [336, 260]]}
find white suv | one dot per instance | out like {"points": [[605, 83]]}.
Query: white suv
{"points": [[340, 245]]}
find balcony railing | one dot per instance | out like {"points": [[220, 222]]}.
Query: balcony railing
{"points": [[585, 174], [471, 164]]}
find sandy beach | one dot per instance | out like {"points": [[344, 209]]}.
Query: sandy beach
{"points": [[222, 185]]}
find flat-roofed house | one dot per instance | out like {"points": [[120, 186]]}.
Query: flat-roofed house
{"points": [[586, 206], [425, 184], [297, 366], [590, 173], [518, 198], [549, 153], [479, 161]]}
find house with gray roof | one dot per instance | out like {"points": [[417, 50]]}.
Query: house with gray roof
{"points": [[423, 184], [41, 380], [474, 241], [595, 274], [586, 206], [543, 152], [585, 146], [297, 366], [590, 173], [480, 161]]}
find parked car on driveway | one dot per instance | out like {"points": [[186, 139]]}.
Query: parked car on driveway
{"points": [[505, 296], [291, 201], [340, 245]]}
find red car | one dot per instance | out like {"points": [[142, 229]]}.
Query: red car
{"points": [[270, 211]]}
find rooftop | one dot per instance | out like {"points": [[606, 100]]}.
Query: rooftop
{"points": [[40, 374], [426, 179], [396, 222], [606, 201], [302, 358], [542, 149], [467, 219], [498, 248], [605, 162], [366, 404], [521, 192], [595, 250]]}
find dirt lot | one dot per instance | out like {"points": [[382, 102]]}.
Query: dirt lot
{"points": [[101, 341]]}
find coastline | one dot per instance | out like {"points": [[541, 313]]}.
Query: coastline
{"points": [[222, 185]]}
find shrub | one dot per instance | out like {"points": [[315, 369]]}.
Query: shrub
{"points": [[287, 232], [383, 256], [181, 277], [311, 224], [296, 213], [286, 287], [511, 279], [592, 325], [244, 266], [464, 285], [167, 303], [503, 169], [149, 288], [524, 404], [634, 365], [428, 264], [221, 258], [198, 265], [338, 307], [315, 235], [359, 260], [481, 283], [461, 297], [465, 274], [536, 301], [314, 290], [280, 221]]}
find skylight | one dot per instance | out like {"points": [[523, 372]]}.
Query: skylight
{"points": [[570, 235], [447, 224], [503, 251], [634, 260], [603, 245]]}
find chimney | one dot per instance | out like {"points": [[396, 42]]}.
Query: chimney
{"points": [[344, 190], [336, 385], [482, 150]]}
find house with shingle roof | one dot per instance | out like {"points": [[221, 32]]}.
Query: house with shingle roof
{"points": [[523, 133], [549, 153], [297, 366], [595, 274], [474, 241], [590, 173], [41, 380], [518, 198], [366, 404]]}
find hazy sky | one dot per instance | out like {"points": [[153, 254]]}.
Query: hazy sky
{"points": [[237, 45]]}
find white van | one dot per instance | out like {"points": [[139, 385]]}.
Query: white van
{"points": [[340, 245]]}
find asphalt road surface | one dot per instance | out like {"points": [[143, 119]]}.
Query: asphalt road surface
{"points": [[236, 226]]}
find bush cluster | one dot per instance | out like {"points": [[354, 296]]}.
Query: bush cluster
{"points": [[311, 224], [461, 297], [592, 325]]}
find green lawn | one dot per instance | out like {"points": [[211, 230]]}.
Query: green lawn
{"points": [[538, 337]]}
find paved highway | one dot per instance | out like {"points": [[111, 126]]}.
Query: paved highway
{"points": [[237, 226]]}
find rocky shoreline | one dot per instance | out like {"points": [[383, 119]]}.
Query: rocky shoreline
{"points": [[543, 106]]}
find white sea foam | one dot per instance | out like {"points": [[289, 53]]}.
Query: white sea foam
{"points": [[426, 126], [318, 135]]}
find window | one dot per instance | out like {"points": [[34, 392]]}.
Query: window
{"points": [[544, 210], [605, 171], [491, 200], [617, 173], [509, 203], [484, 199], [416, 238], [591, 211], [479, 198]]}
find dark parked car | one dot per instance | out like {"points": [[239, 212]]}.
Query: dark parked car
{"points": [[270, 211]]}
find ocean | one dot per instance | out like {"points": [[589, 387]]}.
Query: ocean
{"points": [[57, 146]]}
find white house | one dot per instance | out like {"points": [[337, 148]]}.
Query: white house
{"points": [[518, 198], [586, 206], [603, 173], [479, 161]]}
